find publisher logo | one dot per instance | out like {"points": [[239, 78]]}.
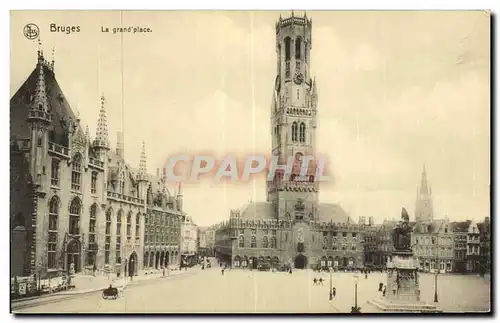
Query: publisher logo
{"points": [[31, 31]]}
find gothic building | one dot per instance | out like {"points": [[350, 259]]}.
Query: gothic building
{"points": [[75, 202], [292, 226], [433, 240]]}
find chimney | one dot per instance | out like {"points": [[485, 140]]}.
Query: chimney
{"points": [[120, 145]]}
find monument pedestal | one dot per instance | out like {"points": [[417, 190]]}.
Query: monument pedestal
{"points": [[402, 289]]}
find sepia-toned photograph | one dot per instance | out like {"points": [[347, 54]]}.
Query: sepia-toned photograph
{"points": [[250, 162]]}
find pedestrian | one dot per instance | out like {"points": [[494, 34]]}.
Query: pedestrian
{"points": [[315, 281], [222, 271], [334, 291], [384, 291], [163, 271], [380, 287], [321, 281], [94, 269], [366, 275]]}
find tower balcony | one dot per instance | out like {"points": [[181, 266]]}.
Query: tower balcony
{"points": [[39, 115], [96, 163], [299, 21], [99, 143], [58, 150]]}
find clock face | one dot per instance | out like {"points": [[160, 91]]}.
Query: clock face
{"points": [[299, 78]]}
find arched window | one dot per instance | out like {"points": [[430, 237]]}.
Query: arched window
{"points": [[253, 242], [279, 58], [302, 132], [288, 42], [118, 236], [305, 51], [129, 225], [273, 242], [344, 243], [137, 227], [107, 243], [92, 248], [294, 131], [241, 241], [52, 241], [74, 216], [334, 243], [54, 174], [76, 172], [265, 242], [298, 47], [325, 243]]}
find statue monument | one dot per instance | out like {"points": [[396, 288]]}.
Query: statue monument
{"points": [[403, 290]]}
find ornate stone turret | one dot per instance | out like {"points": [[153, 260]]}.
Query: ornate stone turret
{"points": [[179, 198], [101, 141], [142, 176], [40, 120]]}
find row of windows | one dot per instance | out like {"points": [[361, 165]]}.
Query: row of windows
{"points": [[253, 242], [161, 220], [74, 227], [76, 174], [433, 240]]}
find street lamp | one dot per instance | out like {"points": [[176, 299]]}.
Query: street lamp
{"points": [[355, 308], [331, 287], [436, 271]]}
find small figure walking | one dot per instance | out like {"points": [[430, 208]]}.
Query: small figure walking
{"points": [[321, 281], [384, 291], [222, 271], [334, 291], [380, 287], [315, 281]]}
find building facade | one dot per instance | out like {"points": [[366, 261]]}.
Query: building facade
{"points": [[189, 240], [460, 230], [75, 203], [162, 235], [292, 227], [473, 255], [432, 239]]}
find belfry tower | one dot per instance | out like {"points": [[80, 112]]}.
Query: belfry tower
{"points": [[293, 119], [424, 210]]}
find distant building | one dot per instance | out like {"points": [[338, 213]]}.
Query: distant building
{"points": [[485, 243], [473, 253], [460, 231], [189, 239], [432, 240]]}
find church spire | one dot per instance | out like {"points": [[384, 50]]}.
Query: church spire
{"points": [[424, 189], [142, 164], [101, 138], [39, 109]]}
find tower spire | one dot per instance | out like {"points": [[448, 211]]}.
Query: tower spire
{"points": [[142, 163], [101, 138], [423, 182], [53, 58], [39, 110]]}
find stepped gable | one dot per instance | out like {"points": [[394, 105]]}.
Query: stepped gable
{"points": [[332, 212]]}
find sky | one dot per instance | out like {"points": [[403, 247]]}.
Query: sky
{"points": [[396, 90]]}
